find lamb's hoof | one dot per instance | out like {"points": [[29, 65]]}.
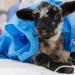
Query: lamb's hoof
{"points": [[54, 65], [67, 70]]}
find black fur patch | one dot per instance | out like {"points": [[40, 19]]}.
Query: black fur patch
{"points": [[42, 60], [26, 14], [68, 8]]}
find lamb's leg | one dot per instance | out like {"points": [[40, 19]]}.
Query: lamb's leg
{"points": [[64, 56]]}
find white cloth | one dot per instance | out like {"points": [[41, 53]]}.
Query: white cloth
{"points": [[10, 67]]}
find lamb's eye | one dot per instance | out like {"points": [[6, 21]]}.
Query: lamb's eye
{"points": [[56, 9]]}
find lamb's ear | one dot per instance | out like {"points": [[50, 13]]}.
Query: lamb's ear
{"points": [[68, 8], [26, 14]]}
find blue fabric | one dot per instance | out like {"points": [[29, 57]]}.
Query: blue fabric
{"points": [[56, 2], [19, 41], [69, 32], [66, 29]]}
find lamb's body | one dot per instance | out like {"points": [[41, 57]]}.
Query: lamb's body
{"points": [[48, 18]]}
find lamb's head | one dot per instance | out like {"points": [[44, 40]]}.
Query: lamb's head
{"points": [[48, 17]]}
